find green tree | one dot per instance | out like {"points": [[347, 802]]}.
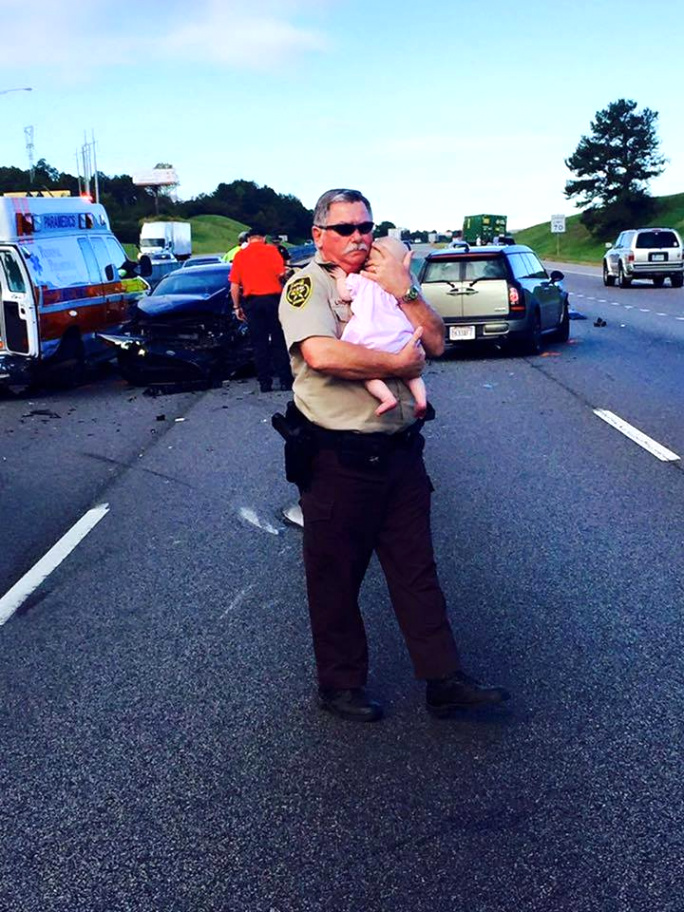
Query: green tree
{"points": [[383, 228], [614, 163]]}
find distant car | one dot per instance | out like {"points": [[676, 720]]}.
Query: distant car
{"points": [[496, 293], [202, 259], [184, 331], [645, 253]]}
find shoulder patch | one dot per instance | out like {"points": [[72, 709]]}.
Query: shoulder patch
{"points": [[299, 291]]}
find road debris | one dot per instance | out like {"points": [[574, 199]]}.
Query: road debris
{"points": [[41, 413]]}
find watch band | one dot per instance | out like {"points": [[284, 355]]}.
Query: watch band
{"points": [[411, 295]]}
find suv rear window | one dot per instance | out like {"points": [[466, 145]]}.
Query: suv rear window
{"points": [[651, 239], [465, 269]]}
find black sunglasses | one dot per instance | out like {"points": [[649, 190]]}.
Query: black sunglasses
{"points": [[346, 229]]}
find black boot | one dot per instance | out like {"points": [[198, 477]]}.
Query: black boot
{"points": [[460, 691], [352, 704]]}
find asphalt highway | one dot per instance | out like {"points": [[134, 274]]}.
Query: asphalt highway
{"points": [[160, 750]]}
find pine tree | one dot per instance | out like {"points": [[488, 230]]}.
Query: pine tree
{"points": [[614, 163]]}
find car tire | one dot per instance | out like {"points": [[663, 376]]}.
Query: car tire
{"points": [[677, 280], [623, 281], [532, 344], [608, 279], [562, 334], [659, 281]]}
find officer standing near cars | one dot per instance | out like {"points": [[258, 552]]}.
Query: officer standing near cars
{"points": [[365, 488], [256, 280], [229, 256], [281, 248]]}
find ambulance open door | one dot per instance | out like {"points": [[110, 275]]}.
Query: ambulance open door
{"points": [[18, 319]]}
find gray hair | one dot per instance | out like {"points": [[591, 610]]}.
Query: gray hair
{"points": [[324, 203]]}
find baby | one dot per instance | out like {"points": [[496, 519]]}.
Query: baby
{"points": [[378, 322]]}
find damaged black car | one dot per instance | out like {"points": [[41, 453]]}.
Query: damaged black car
{"points": [[185, 331]]}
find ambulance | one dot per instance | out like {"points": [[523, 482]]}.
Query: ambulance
{"points": [[63, 278]]}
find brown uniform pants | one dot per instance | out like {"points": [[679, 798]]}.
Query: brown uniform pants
{"points": [[349, 512]]}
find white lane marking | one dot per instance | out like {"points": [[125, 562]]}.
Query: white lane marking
{"points": [[644, 310], [654, 448], [591, 275], [49, 562], [661, 314], [615, 303], [629, 306], [602, 300], [679, 318]]}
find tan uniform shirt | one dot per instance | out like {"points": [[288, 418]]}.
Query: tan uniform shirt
{"points": [[310, 306]]}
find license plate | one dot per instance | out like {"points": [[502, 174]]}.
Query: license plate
{"points": [[461, 333], [658, 256]]}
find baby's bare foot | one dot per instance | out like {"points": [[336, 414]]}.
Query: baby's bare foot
{"points": [[386, 406]]}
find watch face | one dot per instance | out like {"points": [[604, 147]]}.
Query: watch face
{"points": [[411, 294]]}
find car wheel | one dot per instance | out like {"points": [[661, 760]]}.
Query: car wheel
{"points": [[562, 334], [532, 345], [623, 281], [659, 281], [677, 281], [608, 279]]}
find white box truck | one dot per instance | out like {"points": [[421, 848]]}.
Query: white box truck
{"points": [[164, 240]]}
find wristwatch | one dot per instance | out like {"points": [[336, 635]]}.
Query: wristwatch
{"points": [[411, 295]]}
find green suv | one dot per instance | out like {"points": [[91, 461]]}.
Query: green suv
{"points": [[496, 293]]}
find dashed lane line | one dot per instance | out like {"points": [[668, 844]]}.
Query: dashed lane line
{"points": [[21, 590], [652, 446]]}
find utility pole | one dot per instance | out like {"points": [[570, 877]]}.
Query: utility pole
{"points": [[85, 156], [97, 185], [28, 136], [89, 160], [78, 174]]}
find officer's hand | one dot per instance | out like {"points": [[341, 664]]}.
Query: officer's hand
{"points": [[411, 358], [240, 314], [390, 274]]}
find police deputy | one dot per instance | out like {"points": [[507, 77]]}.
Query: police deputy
{"points": [[368, 489]]}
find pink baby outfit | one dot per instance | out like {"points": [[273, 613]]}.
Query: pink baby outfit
{"points": [[377, 320]]}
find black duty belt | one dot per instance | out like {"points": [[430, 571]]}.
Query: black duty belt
{"points": [[335, 440]]}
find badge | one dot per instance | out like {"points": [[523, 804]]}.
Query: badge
{"points": [[299, 291]]}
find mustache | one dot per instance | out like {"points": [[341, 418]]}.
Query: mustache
{"points": [[356, 245]]}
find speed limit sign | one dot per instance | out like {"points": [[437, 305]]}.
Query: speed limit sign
{"points": [[557, 224]]}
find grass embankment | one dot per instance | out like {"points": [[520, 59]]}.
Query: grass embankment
{"points": [[578, 246], [210, 234]]}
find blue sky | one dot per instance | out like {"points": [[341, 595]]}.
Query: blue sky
{"points": [[434, 111]]}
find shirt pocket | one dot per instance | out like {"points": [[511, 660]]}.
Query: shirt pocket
{"points": [[342, 311]]}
